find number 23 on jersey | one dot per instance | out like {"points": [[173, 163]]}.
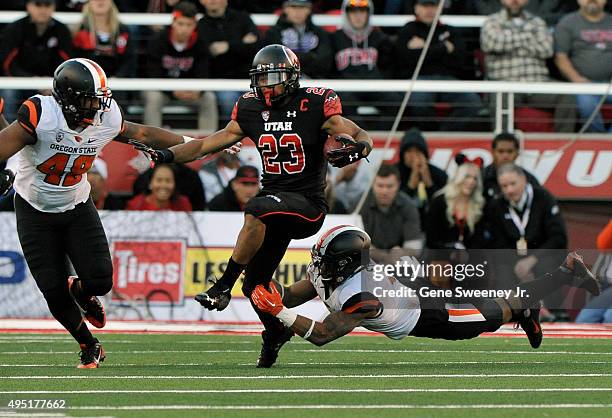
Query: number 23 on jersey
{"points": [[270, 149]]}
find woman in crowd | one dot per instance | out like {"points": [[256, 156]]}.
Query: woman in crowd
{"points": [[162, 193], [103, 39]]}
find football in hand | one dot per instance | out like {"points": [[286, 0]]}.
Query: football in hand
{"points": [[332, 143]]}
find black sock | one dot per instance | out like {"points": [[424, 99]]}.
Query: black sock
{"points": [[83, 335], [231, 273], [538, 289]]}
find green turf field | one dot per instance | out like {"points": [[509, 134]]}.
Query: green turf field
{"points": [[212, 375]]}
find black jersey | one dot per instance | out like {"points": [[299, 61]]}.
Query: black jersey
{"points": [[290, 140]]}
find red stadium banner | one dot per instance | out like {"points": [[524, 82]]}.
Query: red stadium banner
{"points": [[581, 171], [148, 270]]}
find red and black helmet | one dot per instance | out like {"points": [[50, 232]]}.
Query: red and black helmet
{"points": [[275, 65]]}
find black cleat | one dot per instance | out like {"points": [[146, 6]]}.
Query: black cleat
{"points": [[530, 322], [217, 297], [91, 306], [271, 346], [583, 278], [91, 356]]}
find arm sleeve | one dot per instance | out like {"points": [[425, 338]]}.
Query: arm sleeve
{"points": [[29, 114], [332, 105], [563, 38], [363, 303]]}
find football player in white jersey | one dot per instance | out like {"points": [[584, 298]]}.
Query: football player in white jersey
{"points": [[58, 138], [339, 276]]}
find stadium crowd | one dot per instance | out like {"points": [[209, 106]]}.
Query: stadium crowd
{"points": [[412, 207], [521, 40]]}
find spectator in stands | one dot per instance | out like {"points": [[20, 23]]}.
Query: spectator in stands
{"points": [[162, 194], [527, 222], [583, 44], [391, 218], [362, 52], [549, 10], [444, 61], [454, 217], [97, 176], [505, 148], [188, 184], [233, 40], [295, 30], [33, 46], [350, 182], [238, 192], [179, 52], [103, 39], [516, 44], [419, 178], [216, 174], [599, 309]]}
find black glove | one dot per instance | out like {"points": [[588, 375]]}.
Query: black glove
{"points": [[6, 181], [158, 156], [349, 154]]}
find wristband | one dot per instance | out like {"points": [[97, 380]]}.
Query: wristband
{"points": [[187, 139], [367, 146], [167, 156], [307, 335], [287, 317]]}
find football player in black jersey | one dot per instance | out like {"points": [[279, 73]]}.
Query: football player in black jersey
{"points": [[289, 126]]}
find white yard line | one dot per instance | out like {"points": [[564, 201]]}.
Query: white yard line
{"points": [[293, 391], [314, 363], [368, 406], [317, 350], [325, 376]]}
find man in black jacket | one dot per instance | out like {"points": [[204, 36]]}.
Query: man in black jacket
{"points": [[179, 52], [445, 57], [525, 222], [233, 40], [238, 192], [33, 46], [309, 42]]}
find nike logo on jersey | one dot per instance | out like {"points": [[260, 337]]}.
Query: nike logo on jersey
{"points": [[278, 126], [90, 140]]}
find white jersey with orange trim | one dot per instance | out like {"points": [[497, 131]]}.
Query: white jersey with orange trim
{"points": [[52, 172], [400, 310]]}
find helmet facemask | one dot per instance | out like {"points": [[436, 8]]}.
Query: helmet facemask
{"points": [[82, 107], [265, 83]]}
